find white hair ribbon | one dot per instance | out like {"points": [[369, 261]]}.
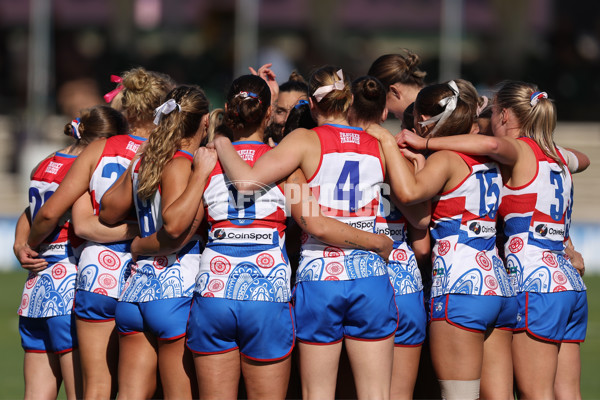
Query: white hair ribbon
{"points": [[536, 96], [482, 107], [324, 90], [75, 124], [165, 108], [449, 104]]}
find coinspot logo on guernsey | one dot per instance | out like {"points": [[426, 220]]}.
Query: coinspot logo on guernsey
{"points": [[219, 234], [482, 228], [545, 230]]}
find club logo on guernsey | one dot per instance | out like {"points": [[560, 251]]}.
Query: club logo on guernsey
{"points": [[348, 137], [132, 146], [246, 154], [53, 167]]}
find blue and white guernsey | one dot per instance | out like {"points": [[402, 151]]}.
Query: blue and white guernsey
{"points": [[50, 292], [346, 184], [160, 277], [245, 257], [463, 225], [537, 217], [103, 266]]}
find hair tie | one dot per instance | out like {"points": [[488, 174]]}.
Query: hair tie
{"points": [[449, 103], [165, 108], [75, 131], [482, 107], [108, 97], [300, 103], [536, 96], [324, 90], [247, 95]]}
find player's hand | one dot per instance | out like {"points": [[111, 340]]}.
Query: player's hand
{"points": [[576, 259], [269, 76], [417, 159], [205, 160], [379, 132], [29, 259], [385, 247], [407, 138]]}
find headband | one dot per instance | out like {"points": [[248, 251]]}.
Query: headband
{"points": [[75, 131], [324, 90], [449, 104], [165, 108], [108, 97], [536, 96]]}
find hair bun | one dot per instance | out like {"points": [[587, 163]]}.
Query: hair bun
{"points": [[136, 80]]}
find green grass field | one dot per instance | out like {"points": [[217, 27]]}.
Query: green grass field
{"points": [[11, 353]]}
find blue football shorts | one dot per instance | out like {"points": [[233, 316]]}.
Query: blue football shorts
{"points": [[328, 311], [261, 330], [555, 317], [166, 319]]}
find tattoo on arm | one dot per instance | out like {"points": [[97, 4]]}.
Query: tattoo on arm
{"points": [[303, 221]]}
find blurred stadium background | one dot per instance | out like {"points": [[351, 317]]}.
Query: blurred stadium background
{"points": [[56, 57]]}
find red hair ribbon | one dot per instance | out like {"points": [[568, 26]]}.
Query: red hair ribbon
{"points": [[108, 97]]}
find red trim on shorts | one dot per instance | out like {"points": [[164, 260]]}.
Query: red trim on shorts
{"points": [[128, 333], [573, 341], [371, 340], [527, 323], [503, 328], [94, 320], [454, 323], [64, 351], [173, 338], [542, 338], [320, 344], [291, 348], [48, 351], [212, 353], [270, 359], [396, 305], [409, 345]]}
